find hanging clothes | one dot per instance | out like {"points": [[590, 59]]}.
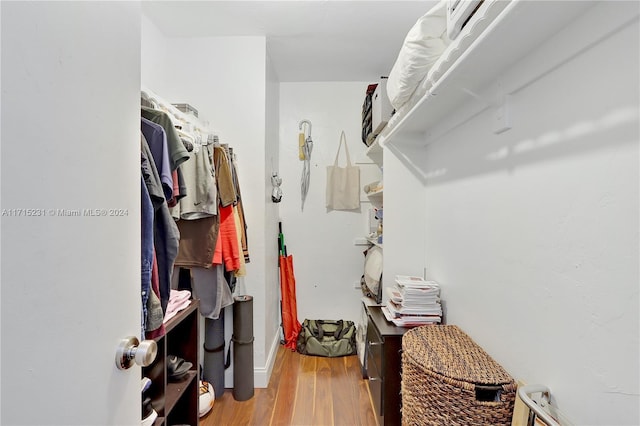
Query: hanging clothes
{"points": [[179, 187], [199, 218], [175, 193], [201, 194], [166, 234], [242, 270], [196, 214], [146, 236], [155, 324], [228, 240], [178, 154], [227, 250], [151, 305], [197, 242], [156, 138], [210, 286], [199, 176], [224, 177], [240, 210]]}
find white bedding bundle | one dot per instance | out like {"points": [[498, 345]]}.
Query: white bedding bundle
{"points": [[427, 54], [421, 48]]}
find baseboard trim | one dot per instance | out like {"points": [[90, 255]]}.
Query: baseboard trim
{"points": [[262, 375]]}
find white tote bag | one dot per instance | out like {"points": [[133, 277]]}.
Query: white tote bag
{"points": [[343, 183]]}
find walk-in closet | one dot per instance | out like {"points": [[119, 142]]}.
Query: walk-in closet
{"points": [[320, 212]]}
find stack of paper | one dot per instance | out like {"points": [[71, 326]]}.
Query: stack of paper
{"points": [[413, 301]]}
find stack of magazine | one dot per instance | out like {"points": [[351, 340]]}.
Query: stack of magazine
{"points": [[413, 301]]}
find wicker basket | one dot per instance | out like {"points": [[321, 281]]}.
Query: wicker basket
{"points": [[447, 379]]}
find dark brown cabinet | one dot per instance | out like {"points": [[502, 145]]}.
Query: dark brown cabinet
{"points": [[176, 402], [383, 365]]}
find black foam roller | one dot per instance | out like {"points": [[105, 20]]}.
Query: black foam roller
{"points": [[213, 369], [243, 348]]}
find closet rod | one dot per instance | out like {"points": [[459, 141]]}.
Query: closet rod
{"points": [[202, 126]]}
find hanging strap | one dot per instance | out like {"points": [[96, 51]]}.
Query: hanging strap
{"points": [[241, 342], [235, 341], [338, 333], [219, 348], [227, 362], [343, 330], [346, 149]]}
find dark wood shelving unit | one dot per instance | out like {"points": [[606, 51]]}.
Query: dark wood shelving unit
{"points": [[176, 402], [383, 365], [174, 391]]}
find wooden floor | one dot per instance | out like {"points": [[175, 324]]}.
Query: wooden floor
{"points": [[303, 390]]}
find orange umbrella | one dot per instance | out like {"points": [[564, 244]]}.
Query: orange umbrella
{"points": [[289, 310]]}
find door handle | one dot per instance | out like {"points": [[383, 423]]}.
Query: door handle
{"points": [[131, 350]]}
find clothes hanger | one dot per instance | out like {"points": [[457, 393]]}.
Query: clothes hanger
{"points": [[186, 135], [148, 101], [213, 139]]}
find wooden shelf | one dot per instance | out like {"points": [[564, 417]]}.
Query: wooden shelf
{"points": [[173, 322], [489, 45], [374, 152], [175, 390]]}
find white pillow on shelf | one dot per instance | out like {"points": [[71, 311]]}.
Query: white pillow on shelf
{"points": [[421, 48]]}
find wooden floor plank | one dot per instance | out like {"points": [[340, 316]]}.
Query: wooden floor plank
{"points": [[286, 390], [323, 409], [263, 407], [365, 405], [345, 392], [305, 398], [304, 391], [264, 411]]}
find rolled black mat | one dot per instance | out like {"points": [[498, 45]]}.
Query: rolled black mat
{"points": [[242, 348], [213, 368]]}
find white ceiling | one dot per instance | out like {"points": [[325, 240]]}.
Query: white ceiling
{"points": [[328, 40]]}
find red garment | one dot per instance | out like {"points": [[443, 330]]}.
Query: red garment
{"points": [[155, 285], [176, 189], [227, 250], [217, 252]]}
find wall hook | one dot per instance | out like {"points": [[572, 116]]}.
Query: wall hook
{"points": [[302, 123]]}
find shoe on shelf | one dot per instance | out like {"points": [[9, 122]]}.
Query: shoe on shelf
{"points": [[177, 368], [207, 398], [145, 384], [149, 415]]}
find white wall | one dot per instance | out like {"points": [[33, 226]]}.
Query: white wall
{"points": [[272, 214], [326, 261], [70, 140], [154, 58], [533, 234], [225, 79]]}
